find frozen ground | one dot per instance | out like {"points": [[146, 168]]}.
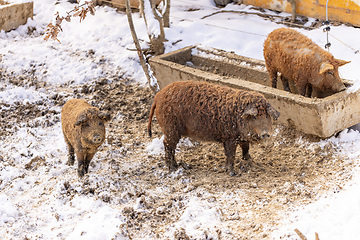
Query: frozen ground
{"points": [[296, 182]]}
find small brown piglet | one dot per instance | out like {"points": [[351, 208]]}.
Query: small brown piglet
{"points": [[83, 127]]}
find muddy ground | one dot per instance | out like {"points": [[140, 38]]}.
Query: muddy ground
{"points": [[288, 170]]}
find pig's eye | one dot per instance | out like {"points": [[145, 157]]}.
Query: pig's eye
{"points": [[331, 73], [101, 123], [86, 125]]}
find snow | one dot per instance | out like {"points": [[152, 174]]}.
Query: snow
{"points": [[8, 211], [107, 39], [156, 146], [333, 216], [97, 224], [153, 24], [11, 95], [199, 216]]}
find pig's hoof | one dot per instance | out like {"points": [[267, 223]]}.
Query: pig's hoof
{"points": [[231, 173], [244, 168], [246, 165], [247, 157], [70, 161], [81, 172], [173, 167], [185, 165]]}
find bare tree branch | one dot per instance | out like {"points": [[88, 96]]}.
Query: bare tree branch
{"points": [[150, 77], [81, 11]]}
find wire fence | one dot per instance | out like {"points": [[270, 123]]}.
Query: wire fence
{"points": [[270, 17]]}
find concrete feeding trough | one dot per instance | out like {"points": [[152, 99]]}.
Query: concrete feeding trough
{"points": [[12, 15], [317, 116]]}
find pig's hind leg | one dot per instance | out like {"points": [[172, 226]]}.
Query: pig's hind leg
{"points": [[71, 153], [230, 151], [273, 77], [171, 139], [309, 90]]}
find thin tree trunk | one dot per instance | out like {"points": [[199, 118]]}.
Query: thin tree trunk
{"points": [[166, 14], [157, 42], [153, 84]]}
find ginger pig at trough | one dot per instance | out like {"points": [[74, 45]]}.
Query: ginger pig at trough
{"points": [[83, 127], [298, 59], [208, 112]]}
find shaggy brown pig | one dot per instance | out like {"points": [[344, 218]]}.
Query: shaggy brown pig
{"points": [[84, 131], [299, 59], [208, 112]]}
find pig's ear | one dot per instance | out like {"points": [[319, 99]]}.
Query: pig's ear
{"points": [[342, 62], [325, 66], [104, 116], [250, 111], [81, 119], [272, 112]]}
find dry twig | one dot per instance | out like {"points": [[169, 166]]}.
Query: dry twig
{"points": [[300, 234], [81, 11]]}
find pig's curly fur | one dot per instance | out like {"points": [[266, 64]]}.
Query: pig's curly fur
{"points": [[76, 139], [209, 112], [297, 58], [216, 109]]}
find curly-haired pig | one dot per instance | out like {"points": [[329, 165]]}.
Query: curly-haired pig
{"points": [[297, 58], [209, 112], [83, 127]]}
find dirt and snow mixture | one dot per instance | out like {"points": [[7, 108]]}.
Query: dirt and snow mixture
{"points": [[295, 181], [129, 187]]}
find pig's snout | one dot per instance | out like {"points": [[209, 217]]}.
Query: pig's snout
{"points": [[342, 88], [264, 134], [97, 139], [260, 136], [338, 87]]}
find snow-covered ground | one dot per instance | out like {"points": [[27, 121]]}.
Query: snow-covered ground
{"points": [[103, 43]]}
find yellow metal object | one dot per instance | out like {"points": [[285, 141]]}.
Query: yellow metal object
{"points": [[346, 11]]}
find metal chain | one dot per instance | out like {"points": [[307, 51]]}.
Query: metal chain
{"points": [[327, 28]]}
